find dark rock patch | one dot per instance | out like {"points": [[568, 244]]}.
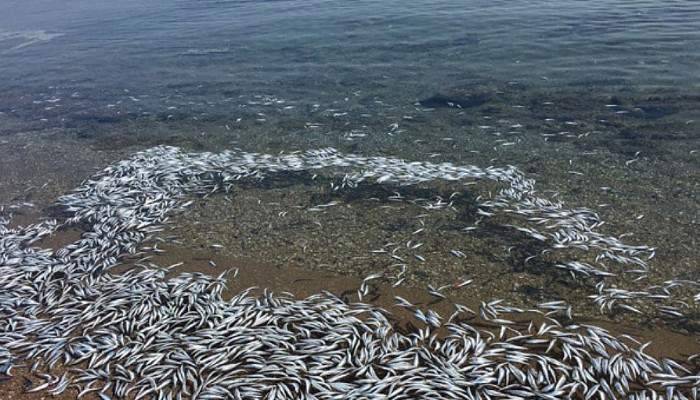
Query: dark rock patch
{"points": [[440, 101], [653, 111], [460, 98]]}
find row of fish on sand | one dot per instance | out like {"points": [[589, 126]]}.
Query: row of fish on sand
{"points": [[73, 323]]}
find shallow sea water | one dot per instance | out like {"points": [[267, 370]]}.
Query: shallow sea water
{"points": [[598, 101]]}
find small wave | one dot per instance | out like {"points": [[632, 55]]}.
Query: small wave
{"points": [[21, 39], [204, 52]]}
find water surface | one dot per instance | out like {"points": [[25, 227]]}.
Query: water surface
{"points": [[597, 100]]}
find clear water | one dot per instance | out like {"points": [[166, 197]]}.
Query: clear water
{"points": [[597, 100], [310, 50]]}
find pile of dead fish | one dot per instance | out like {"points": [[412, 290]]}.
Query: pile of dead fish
{"points": [[75, 324]]}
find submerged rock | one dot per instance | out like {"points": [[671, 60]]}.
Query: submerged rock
{"points": [[460, 98], [653, 111]]}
